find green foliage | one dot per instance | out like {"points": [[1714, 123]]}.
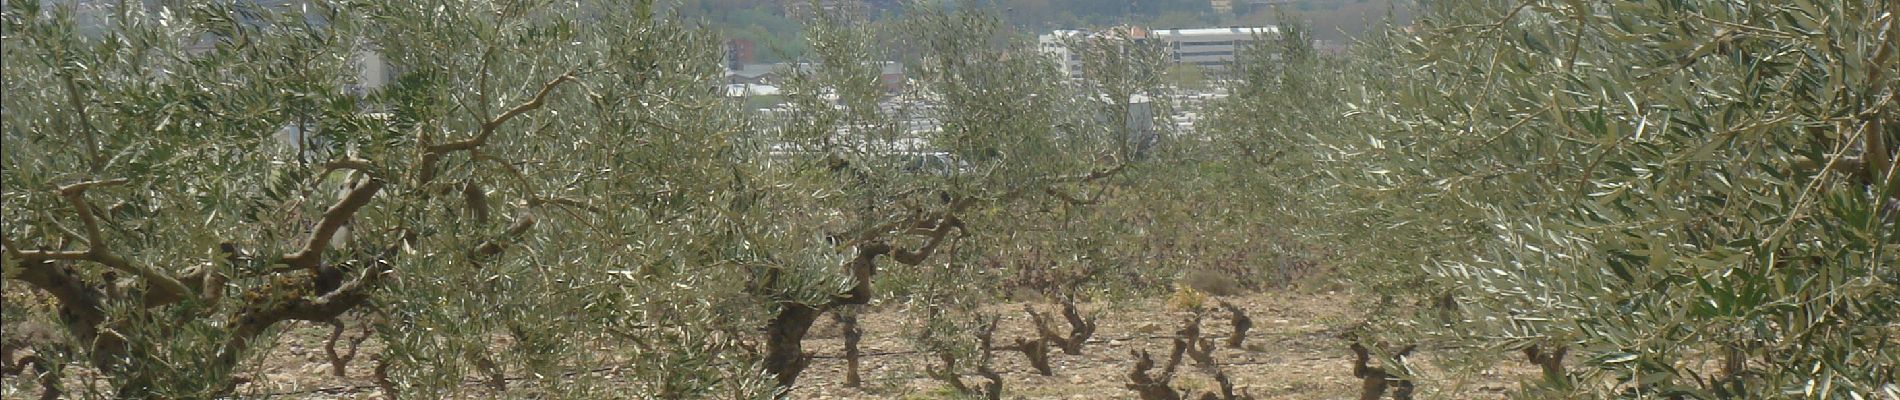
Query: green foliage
{"points": [[1006, 132], [1653, 186], [514, 155], [1649, 190]]}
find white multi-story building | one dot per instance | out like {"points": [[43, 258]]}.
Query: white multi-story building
{"points": [[1213, 49], [850, 11], [1209, 48], [1056, 44]]}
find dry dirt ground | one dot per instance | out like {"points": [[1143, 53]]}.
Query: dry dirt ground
{"points": [[1292, 352]]}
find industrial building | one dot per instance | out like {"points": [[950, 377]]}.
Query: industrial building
{"points": [[1213, 49]]}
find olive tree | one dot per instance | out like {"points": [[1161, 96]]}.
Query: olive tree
{"points": [[186, 180], [987, 130], [1692, 199]]}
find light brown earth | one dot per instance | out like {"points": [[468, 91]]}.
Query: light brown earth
{"points": [[1291, 353]]}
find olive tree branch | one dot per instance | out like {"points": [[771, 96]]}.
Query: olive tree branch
{"points": [[431, 154], [1876, 144], [95, 162], [169, 288], [933, 239], [488, 249], [75, 193], [488, 128], [265, 312], [333, 219]]}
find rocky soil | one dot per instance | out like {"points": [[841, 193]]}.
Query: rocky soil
{"points": [[1292, 352]]}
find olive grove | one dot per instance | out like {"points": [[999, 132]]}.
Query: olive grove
{"points": [[562, 183], [1689, 199], [1639, 199]]}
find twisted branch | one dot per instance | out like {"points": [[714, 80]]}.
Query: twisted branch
{"points": [[333, 219], [168, 288], [488, 128], [430, 153], [934, 238], [341, 360]]}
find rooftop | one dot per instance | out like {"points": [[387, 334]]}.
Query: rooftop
{"points": [[1140, 33], [1257, 30]]}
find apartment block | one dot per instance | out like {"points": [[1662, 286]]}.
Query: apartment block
{"points": [[1213, 49]]}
